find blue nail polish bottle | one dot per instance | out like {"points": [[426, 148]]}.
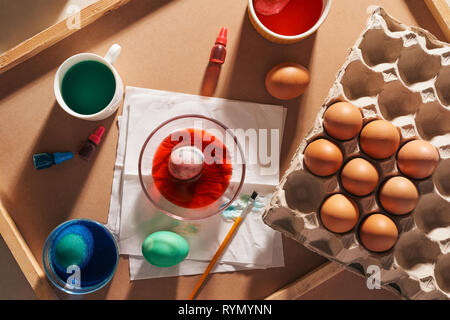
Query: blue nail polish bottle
{"points": [[46, 160]]}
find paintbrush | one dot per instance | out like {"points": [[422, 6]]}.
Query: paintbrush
{"points": [[225, 242]]}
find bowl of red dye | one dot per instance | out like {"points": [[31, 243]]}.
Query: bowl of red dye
{"points": [[287, 21], [191, 167]]}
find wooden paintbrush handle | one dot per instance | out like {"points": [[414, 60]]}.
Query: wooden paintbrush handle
{"points": [[216, 257], [24, 257]]}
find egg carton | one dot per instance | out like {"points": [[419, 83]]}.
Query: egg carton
{"points": [[400, 74]]}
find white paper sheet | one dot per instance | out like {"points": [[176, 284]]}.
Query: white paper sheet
{"points": [[132, 217], [141, 269]]}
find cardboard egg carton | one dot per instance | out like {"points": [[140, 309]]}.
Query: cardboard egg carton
{"points": [[400, 74]]}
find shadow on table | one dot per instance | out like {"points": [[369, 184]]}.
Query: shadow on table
{"points": [[158, 289], [298, 261], [45, 198], [254, 57], [21, 20], [50, 58], [263, 282], [424, 18], [13, 284]]}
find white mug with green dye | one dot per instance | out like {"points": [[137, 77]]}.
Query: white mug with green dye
{"points": [[87, 86]]}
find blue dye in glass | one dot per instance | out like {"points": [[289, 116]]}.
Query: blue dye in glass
{"points": [[101, 253]]}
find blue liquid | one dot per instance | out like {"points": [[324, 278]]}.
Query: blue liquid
{"points": [[103, 260]]}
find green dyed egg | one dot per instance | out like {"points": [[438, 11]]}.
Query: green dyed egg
{"points": [[165, 249]]}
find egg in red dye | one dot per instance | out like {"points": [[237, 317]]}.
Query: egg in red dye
{"points": [[209, 185]]}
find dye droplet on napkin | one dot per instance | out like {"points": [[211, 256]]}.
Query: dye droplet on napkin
{"points": [[236, 208]]}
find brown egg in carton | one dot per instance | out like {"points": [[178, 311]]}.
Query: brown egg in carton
{"points": [[401, 75]]}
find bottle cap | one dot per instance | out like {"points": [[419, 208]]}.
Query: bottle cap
{"points": [[42, 160], [60, 157], [96, 137], [222, 38]]}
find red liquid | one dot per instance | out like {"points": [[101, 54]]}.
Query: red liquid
{"points": [[213, 180], [297, 17]]}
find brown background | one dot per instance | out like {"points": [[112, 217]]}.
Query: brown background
{"points": [[166, 46]]}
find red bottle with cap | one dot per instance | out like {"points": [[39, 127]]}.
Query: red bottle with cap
{"points": [[219, 51], [91, 144]]}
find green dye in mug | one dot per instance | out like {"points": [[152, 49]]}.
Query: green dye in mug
{"points": [[88, 87]]}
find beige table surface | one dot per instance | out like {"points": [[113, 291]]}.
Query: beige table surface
{"points": [[20, 20], [166, 46]]}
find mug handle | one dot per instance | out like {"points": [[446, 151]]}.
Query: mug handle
{"points": [[113, 53]]}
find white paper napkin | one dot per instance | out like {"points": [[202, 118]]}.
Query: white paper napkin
{"points": [[132, 218], [141, 269]]}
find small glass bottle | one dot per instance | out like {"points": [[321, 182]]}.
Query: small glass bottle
{"points": [[216, 59], [91, 144], [219, 51]]}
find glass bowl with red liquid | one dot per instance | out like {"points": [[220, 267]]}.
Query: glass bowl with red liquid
{"points": [[191, 167]]}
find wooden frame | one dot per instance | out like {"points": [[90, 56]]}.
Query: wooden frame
{"points": [[32, 46], [24, 257], [441, 12], [55, 33], [305, 284]]}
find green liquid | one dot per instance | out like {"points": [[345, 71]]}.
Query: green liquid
{"points": [[88, 87]]}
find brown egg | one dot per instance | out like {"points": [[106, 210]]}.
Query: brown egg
{"points": [[378, 233], [417, 159], [339, 213], [342, 121], [323, 157], [379, 139], [287, 80], [398, 195], [359, 177]]}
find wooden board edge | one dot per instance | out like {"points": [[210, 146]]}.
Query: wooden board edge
{"points": [[441, 12], [55, 33], [24, 257], [306, 283]]}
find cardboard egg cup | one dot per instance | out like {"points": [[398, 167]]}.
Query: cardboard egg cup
{"points": [[400, 74]]}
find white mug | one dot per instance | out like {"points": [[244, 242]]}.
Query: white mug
{"points": [[108, 60]]}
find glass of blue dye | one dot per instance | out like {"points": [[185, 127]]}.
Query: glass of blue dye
{"points": [[100, 258]]}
